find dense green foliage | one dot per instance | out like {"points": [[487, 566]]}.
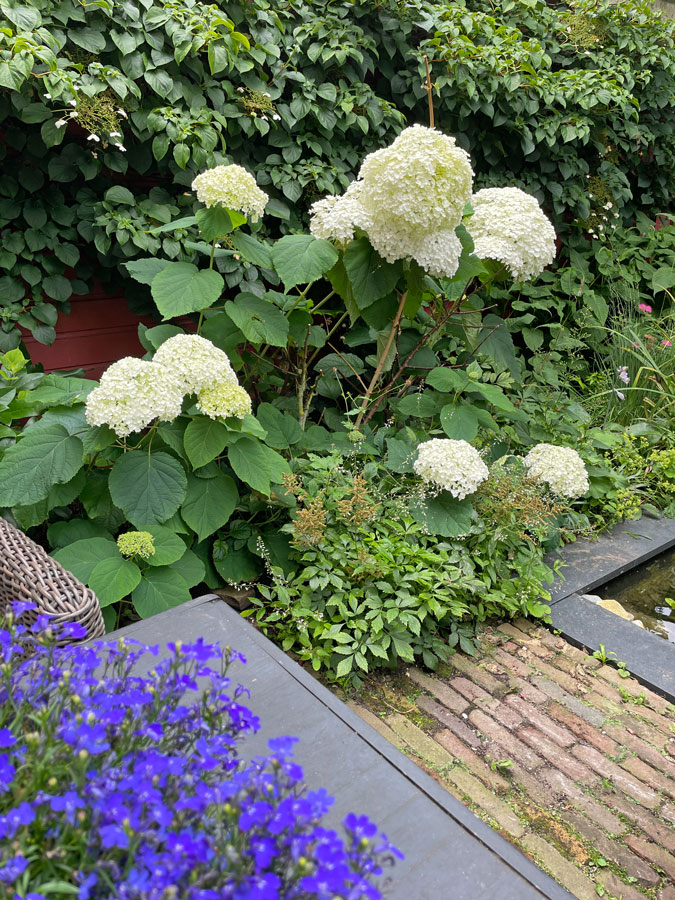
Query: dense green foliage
{"points": [[350, 361], [298, 92]]}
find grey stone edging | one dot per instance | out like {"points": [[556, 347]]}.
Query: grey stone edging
{"points": [[589, 564]]}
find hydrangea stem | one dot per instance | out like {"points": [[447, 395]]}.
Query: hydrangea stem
{"points": [[380, 363]]}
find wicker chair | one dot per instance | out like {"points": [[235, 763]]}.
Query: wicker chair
{"points": [[27, 572]]}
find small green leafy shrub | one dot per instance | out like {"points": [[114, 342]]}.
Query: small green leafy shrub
{"points": [[370, 583]]}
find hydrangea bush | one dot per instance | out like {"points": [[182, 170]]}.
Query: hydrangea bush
{"points": [[116, 784]]}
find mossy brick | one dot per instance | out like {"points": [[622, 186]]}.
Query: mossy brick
{"points": [[616, 887], [644, 730], [647, 821], [583, 730], [537, 791], [473, 670], [374, 721], [556, 756], [668, 893], [613, 850], [653, 853], [641, 748], [511, 662], [510, 745], [419, 742], [595, 811], [667, 811], [569, 684], [649, 775], [481, 797], [610, 674], [477, 766], [439, 689], [555, 692], [456, 724], [574, 879], [532, 643], [542, 721], [621, 780]]}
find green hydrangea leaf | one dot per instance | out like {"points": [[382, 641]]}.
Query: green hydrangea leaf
{"points": [[209, 503], [114, 578], [181, 288], [301, 258], [148, 488], [158, 590], [42, 458]]}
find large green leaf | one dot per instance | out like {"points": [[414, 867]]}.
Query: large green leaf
{"points": [[253, 250], [191, 568], [216, 221], [181, 288], [204, 440], [60, 534], [444, 379], [237, 566], [168, 546], [493, 394], [256, 464], [149, 488], [459, 422], [301, 258], [443, 515], [82, 557], [371, 276], [282, 429], [260, 321], [42, 458], [209, 503], [114, 578], [159, 590]]}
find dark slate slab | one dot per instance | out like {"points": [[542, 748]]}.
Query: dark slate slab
{"points": [[588, 564], [648, 657], [449, 851]]}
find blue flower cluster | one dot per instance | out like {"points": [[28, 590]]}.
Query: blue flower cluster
{"points": [[121, 786]]}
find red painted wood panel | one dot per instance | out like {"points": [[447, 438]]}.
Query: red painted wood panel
{"points": [[96, 333]]}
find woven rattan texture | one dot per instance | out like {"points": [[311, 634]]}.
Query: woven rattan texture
{"points": [[27, 572]]}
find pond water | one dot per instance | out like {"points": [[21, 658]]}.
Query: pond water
{"points": [[643, 593]]}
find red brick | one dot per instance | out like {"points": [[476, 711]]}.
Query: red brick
{"points": [[509, 744], [440, 690], [553, 690], [583, 730], [590, 807], [470, 690], [471, 760], [650, 776], [619, 778], [543, 722], [653, 853], [502, 713], [613, 850], [445, 717], [616, 887], [644, 750], [661, 723], [668, 893], [656, 830], [556, 756]]}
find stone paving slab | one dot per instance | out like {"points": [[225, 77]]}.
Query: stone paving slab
{"points": [[570, 761]]}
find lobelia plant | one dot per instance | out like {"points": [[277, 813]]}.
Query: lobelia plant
{"points": [[130, 785]]}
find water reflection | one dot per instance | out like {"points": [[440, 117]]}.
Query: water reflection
{"points": [[643, 593]]}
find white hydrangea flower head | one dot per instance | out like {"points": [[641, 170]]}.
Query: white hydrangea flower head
{"points": [[232, 187], [453, 466], [335, 217], [131, 394], [224, 399], [438, 252], [195, 362], [509, 225], [561, 468], [423, 180]]}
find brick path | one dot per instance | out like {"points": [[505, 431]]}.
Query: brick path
{"points": [[568, 760]]}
